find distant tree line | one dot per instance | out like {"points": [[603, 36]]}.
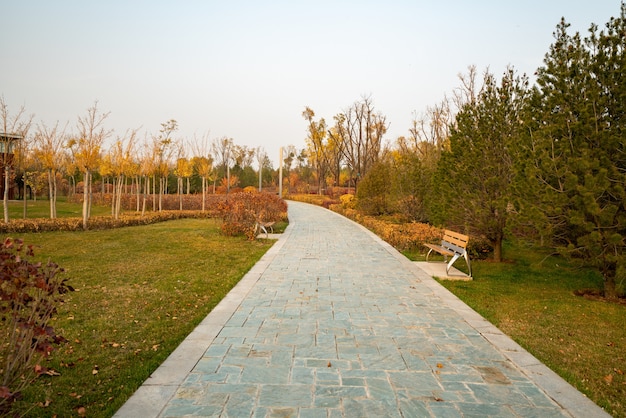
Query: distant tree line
{"points": [[88, 158]]}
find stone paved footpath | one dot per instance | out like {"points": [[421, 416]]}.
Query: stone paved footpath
{"points": [[333, 322]]}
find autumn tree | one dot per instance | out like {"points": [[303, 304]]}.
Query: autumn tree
{"points": [[316, 146], [50, 153], [14, 128], [203, 164], [147, 171], [474, 176], [575, 158], [334, 153], [122, 166], [183, 171], [86, 150], [163, 145]]}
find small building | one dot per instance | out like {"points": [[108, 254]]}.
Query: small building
{"points": [[8, 142]]}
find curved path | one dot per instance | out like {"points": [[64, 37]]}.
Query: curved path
{"points": [[333, 322]]}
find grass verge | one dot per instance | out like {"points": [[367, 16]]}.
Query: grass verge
{"points": [[139, 292], [531, 299], [41, 209]]}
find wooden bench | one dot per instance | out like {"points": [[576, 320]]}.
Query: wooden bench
{"points": [[265, 226], [453, 244]]}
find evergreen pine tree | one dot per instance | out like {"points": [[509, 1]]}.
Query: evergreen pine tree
{"points": [[576, 165]]}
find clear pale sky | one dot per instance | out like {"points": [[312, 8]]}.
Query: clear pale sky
{"points": [[247, 69]]}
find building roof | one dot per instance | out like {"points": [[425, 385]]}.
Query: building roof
{"points": [[6, 136]]}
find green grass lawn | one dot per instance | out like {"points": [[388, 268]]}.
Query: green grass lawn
{"points": [[532, 300], [139, 292], [41, 209]]}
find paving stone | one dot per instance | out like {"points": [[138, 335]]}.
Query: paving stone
{"points": [[332, 322]]}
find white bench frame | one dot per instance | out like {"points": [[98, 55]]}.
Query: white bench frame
{"points": [[264, 226], [453, 244]]}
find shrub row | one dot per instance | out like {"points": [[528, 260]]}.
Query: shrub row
{"points": [[403, 236], [98, 222]]}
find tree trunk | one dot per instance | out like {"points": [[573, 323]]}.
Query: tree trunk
{"points": [[610, 289], [154, 193], [6, 193], [24, 201], [86, 199], [138, 191], [52, 193], [203, 193], [497, 249], [180, 193], [161, 188]]}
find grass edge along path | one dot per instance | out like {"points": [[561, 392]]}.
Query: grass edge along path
{"points": [[139, 292]]}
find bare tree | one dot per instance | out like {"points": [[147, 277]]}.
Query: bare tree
{"points": [[260, 159], [362, 130], [223, 151]]}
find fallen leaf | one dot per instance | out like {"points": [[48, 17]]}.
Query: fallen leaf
{"points": [[329, 364], [45, 404], [4, 392], [439, 366], [81, 411], [52, 372], [608, 379]]}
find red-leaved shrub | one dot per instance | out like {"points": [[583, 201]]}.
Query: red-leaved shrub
{"points": [[29, 295], [242, 212]]}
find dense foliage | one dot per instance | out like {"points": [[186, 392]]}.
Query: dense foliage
{"points": [[575, 160], [243, 212], [544, 161], [29, 296]]}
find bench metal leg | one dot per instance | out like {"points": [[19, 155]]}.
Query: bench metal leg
{"points": [[449, 265], [260, 227], [427, 255], [469, 267]]}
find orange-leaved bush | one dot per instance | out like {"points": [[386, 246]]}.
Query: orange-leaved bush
{"points": [[242, 212]]}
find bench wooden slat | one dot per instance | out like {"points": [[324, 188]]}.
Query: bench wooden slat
{"points": [[439, 249], [456, 238]]}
